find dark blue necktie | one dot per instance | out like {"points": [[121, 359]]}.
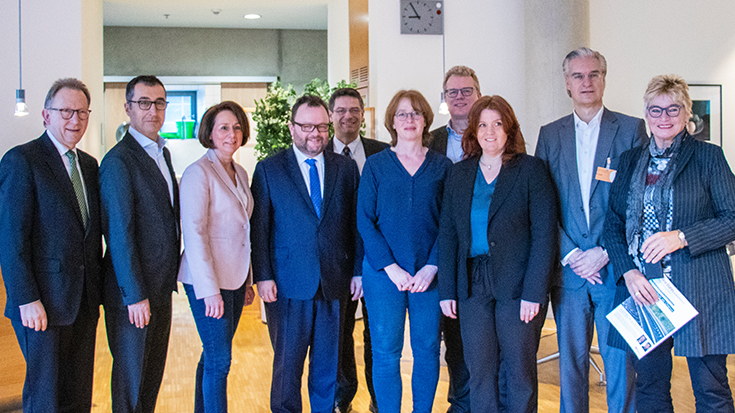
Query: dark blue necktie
{"points": [[315, 187]]}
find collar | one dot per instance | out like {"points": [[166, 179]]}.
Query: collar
{"points": [[578, 122], [301, 157], [145, 141], [339, 146], [59, 147], [452, 133]]}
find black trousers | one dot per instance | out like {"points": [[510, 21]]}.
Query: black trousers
{"points": [[458, 394], [59, 364], [347, 369]]}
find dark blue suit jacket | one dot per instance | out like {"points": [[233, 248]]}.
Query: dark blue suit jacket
{"points": [[521, 230], [290, 243], [46, 253], [141, 227], [557, 147]]}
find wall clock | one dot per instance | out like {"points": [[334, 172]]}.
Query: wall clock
{"points": [[422, 17]]}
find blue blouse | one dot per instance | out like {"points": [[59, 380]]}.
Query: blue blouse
{"points": [[482, 195], [398, 214]]}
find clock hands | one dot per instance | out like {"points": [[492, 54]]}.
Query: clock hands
{"points": [[416, 14]]}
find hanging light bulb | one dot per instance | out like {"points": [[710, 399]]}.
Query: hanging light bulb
{"points": [[20, 103], [443, 108]]}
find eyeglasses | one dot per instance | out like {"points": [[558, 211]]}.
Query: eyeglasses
{"points": [[307, 127], [343, 111], [453, 93], [67, 114], [656, 111], [403, 116], [146, 104]]}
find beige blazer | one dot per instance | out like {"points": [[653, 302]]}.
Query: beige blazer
{"points": [[215, 222]]}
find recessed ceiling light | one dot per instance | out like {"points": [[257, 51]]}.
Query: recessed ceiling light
{"points": [[252, 16]]}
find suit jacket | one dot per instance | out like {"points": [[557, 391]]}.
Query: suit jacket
{"points": [[704, 210], [521, 230], [439, 137], [47, 254], [140, 225], [371, 146], [557, 147], [291, 244], [215, 218]]}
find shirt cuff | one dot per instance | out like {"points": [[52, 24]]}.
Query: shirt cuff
{"points": [[566, 257]]}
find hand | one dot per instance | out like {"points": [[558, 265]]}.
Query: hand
{"points": [[33, 315], [528, 310], [249, 295], [140, 313], [639, 288], [399, 276], [267, 291], [656, 246], [587, 263], [594, 278], [214, 306], [423, 278], [449, 308], [356, 288]]}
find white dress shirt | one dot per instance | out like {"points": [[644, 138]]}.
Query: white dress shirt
{"points": [[305, 168], [586, 140], [62, 152], [154, 149], [357, 149]]}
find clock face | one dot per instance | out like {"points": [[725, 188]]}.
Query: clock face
{"points": [[422, 17]]}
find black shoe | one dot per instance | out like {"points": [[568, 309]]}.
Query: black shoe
{"points": [[342, 409]]}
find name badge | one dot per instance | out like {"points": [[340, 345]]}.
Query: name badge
{"points": [[605, 174]]}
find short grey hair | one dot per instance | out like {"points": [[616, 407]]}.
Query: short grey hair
{"points": [[66, 83], [584, 52], [674, 87]]}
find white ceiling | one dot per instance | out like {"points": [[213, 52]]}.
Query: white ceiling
{"points": [[276, 14]]}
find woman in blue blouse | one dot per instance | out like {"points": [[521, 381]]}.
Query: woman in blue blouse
{"points": [[497, 245], [398, 217]]}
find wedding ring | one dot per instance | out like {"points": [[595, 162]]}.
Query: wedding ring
{"points": [[638, 293]]}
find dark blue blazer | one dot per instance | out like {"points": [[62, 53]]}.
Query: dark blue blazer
{"points": [[371, 146], [704, 210], [46, 253], [521, 232], [141, 227], [557, 146], [290, 243]]}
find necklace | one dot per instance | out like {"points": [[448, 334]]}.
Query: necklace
{"points": [[489, 167]]}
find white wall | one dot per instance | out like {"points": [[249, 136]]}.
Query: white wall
{"points": [[60, 39], [487, 36], [642, 39], [338, 41]]}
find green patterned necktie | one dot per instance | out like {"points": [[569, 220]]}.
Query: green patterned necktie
{"points": [[76, 182]]}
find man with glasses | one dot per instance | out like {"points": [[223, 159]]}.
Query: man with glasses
{"points": [[306, 255], [581, 150], [51, 254], [140, 211], [461, 90], [347, 111]]}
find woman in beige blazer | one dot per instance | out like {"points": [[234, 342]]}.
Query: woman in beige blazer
{"points": [[216, 205]]}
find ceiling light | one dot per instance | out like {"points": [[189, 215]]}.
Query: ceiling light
{"points": [[252, 16], [20, 95]]}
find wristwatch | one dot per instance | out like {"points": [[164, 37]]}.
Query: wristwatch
{"points": [[682, 238]]}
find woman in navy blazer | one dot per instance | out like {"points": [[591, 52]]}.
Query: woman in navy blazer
{"points": [[671, 213], [398, 206], [216, 205], [497, 243]]}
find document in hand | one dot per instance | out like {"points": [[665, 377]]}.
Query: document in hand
{"points": [[645, 326]]}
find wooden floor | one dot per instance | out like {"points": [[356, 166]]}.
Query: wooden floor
{"points": [[249, 381]]}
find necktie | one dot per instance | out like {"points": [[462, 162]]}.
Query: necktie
{"points": [[76, 182], [347, 152], [315, 187]]}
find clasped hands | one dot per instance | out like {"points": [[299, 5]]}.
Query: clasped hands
{"points": [[587, 264], [414, 284]]}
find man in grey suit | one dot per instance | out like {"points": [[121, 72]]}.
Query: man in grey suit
{"points": [[581, 150], [461, 90], [347, 111]]}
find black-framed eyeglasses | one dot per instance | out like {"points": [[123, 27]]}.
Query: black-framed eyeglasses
{"points": [[453, 93], [403, 116], [66, 114], [308, 127], [656, 111], [146, 104]]}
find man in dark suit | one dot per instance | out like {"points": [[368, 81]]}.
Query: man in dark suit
{"points": [[140, 210], [461, 91], [580, 150], [52, 248], [347, 111], [306, 255]]}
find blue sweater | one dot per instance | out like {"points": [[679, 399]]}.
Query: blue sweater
{"points": [[398, 214]]}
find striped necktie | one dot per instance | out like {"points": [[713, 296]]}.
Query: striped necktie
{"points": [[347, 152], [76, 182]]}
